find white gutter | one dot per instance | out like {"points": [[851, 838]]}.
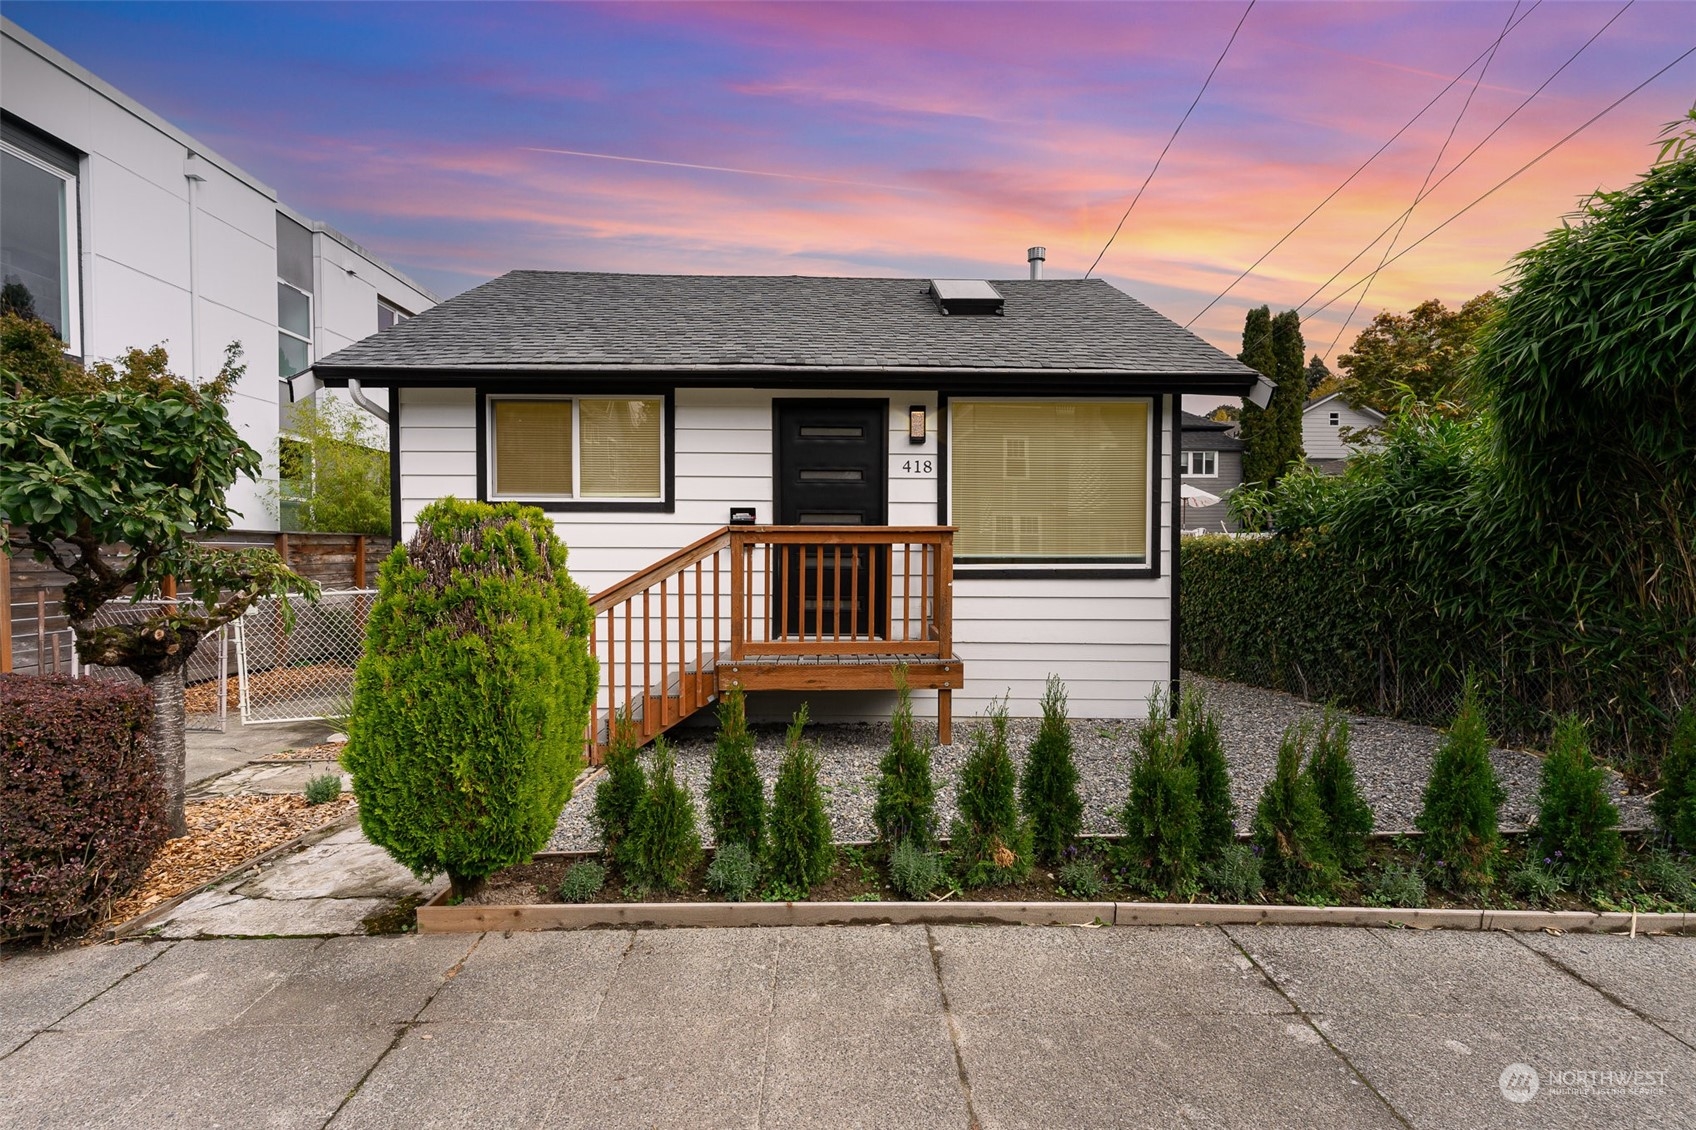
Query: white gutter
{"points": [[366, 402]]}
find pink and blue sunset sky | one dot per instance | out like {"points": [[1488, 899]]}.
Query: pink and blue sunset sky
{"points": [[460, 141]]}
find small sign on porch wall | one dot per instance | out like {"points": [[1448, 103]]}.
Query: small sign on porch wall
{"points": [[912, 465]]}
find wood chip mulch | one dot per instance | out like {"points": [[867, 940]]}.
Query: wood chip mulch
{"points": [[279, 682], [222, 832], [324, 751]]}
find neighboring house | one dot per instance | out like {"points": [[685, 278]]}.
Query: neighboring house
{"points": [[121, 230], [648, 413], [1212, 459], [1325, 422]]}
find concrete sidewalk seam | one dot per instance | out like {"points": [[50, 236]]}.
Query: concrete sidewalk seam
{"points": [[548, 1110], [1317, 1030], [1611, 998], [91, 1000], [402, 1029], [765, 1049], [972, 1122]]}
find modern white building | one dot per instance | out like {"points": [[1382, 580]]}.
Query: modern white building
{"points": [[121, 230]]}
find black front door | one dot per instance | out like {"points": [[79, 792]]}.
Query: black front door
{"points": [[832, 471]]}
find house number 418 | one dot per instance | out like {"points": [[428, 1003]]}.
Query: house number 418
{"points": [[918, 467]]}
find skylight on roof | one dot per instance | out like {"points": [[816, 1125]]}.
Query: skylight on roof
{"points": [[966, 296]]}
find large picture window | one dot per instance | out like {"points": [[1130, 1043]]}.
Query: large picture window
{"points": [[38, 239], [1050, 481], [588, 448]]}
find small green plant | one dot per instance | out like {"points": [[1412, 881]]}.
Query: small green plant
{"points": [[734, 872], [1576, 822], [736, 800], [663, 844], [1348, 818], [1669, 874], [1198, 737], [1398, 886], [582, 881], [914, 872], [1162, 817], [1080, 878], [1537, 881], [620, 793], [991, 845], [1289, 825], [799, 853], [1459, 815], [1234, 875], [906, 794], [1048, 791], [324, 788], [1675, 802]]}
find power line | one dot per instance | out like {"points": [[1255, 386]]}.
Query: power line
{"points": [[1350, 178], [1173, 138]]}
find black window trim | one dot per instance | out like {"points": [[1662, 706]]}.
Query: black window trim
{"points": [[666, 504]]}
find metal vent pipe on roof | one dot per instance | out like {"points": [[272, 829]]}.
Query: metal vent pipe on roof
{"points": [[1035, 256]]}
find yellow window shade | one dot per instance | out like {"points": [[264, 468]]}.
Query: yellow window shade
{"points": [[1050, 479], [621, 441], [532, 448]]}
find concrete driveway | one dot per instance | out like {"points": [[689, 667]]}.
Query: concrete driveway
{"points": [[857, 1027]]}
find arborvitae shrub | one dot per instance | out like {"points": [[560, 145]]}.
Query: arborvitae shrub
{"points": [[736, 799], [1048, 791], [1459, 815], [799, 853], [1577, 825], [1289, 825], [991, 845], [1348, 818], [734, 871], [914, 872], [1162, 817], [470, 703], [664, 844], [82, 800], [1675, 803], [620, 793], [1198, 735], [906, 795]]}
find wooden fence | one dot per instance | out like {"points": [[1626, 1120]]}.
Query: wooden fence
{"points": [[35, 634]]}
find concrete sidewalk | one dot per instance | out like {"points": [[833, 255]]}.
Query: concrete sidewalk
{"points": [[845, 1027]]}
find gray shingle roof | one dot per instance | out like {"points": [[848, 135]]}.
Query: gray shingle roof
{"points": [[1203, 434], [555, 320]]}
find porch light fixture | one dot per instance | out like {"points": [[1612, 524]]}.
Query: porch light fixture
{"points": [[916, 424]]}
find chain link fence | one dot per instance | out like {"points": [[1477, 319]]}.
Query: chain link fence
{"points": [[204, 677], [295, 659]]}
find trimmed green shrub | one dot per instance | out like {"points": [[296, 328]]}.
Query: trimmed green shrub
{"points": [[1459, 814], [1080, 878], [664, 844], [906, 794], [1289, 825], [82, 800], [1198, 738], [1048, 790], [1398, 886], [323, 788], [1577, 825], [582, 881], [1348, 818], [620, 793], [1675, 802], [736, 798], [991, 845], [914, 872], [470, 703], [1162, 817], [1234, 875], [799, 852], [734, 871]]}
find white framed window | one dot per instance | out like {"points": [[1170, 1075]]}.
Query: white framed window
{"points": [[389, 315], [1199, 464], [1065, 482], [576, 448], [294, 297], [39, 248]]}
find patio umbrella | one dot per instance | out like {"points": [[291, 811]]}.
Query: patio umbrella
{"points": [[1195, 496]]}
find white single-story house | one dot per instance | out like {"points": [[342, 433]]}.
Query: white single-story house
{"points": [[1324, 425], [796, 484]]}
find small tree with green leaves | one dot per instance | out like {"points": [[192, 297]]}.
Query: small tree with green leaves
{"points": [[991, 845], [1577, 825], [332, 470], [736, 799], [1348, 818], [1198, 741], [1162, 816], [664, 844], [905, 811], [1048, 790], [620, 792], [1674, 803], [1462, 802], [1289, 825], [799, 852]]}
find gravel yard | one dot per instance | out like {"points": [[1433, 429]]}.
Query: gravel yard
{"points": [[1392, 760]]}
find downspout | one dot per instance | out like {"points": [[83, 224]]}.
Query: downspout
{"points": [[366, 402], [1173, 691]]}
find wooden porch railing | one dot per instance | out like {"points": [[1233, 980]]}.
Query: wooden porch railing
{"points": [[771, 593]]}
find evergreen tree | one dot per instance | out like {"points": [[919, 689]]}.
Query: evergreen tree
{"points": [[990, 844], [1675, 801], [799, 852], [1289, 825], [1048, 792], [1577, 825], [1460, 810], [664, 844], [1198, 737], [1256, 422], [906, 795], [1348, 818], [1162, 816], [619, 796], [1271, 436], [1288, 349], [1321, 381], [736, 800]]}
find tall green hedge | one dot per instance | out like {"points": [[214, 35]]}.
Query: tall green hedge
{"points": [[470, 704]]}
